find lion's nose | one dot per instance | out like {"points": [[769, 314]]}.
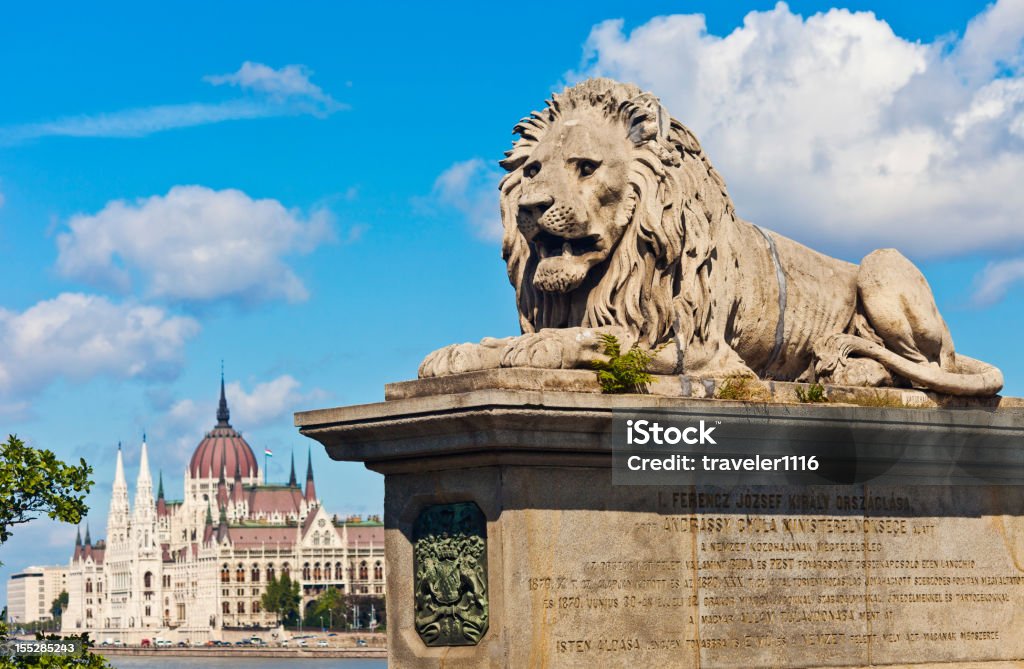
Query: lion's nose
{"points": [[534, 206]]}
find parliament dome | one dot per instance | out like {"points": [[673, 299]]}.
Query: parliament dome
{"points": [[222, 449]]}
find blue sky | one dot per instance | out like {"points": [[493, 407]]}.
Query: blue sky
{"points": [[309, 194]]}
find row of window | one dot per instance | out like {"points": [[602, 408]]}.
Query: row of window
{"points": [[225, 608], [316, 572]]}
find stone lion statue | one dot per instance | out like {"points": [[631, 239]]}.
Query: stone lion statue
{"points": [[616, 222]]}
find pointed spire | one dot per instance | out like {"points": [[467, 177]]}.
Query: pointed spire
{"points": [[119, 469], [144, 485], [310, 487], [291, 479], [223, 414], [88, 539], [78, 537], [160, 488], [209, 515]]}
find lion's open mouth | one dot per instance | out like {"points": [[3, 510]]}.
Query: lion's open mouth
{"points": [[550, 245]]}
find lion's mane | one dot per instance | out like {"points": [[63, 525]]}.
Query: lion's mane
{"points": [[655, 282]]}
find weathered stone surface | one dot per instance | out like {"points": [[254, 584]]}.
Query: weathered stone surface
{"points": [[583, 573], [616, 223], [663, 385]]}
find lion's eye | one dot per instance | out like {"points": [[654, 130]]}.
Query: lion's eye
{"points": [[531, 170], [587, 167]]}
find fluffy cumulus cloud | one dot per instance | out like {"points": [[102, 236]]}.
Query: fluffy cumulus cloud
{"points": [[193, 244], [287, 91], [835, 130], [470, 188], [76, 337]]}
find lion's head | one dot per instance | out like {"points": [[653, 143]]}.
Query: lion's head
{"points": [[610, 209]]}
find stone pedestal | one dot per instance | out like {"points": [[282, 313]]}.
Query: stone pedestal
{"points": [[573, 571]]}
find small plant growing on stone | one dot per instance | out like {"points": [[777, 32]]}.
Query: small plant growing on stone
{"points": [[742, 388], [622, 372], [812, 394]]}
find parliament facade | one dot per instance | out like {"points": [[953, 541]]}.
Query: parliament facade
{"points": [[193, 568]]}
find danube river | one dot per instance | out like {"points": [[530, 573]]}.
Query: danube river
{"points": [[124, 662]]}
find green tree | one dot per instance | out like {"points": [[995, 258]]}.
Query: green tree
{"points": [[282, 597], [328, 609], [59, 604], [34, 482]]}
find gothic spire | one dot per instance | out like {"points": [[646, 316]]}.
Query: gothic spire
{"points": [[310, 487], [160, 487], [88, 539], [292, 482], [78, 537], [223, 415]]}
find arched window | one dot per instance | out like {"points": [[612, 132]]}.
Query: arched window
{"points": [[317, 575], [316, 538], [378, 571], [255, 573], [363, 571], [286, 569], [225, 608], [225, 574], [270, 572], [305, 571], [240, 573], [147, 580], [241, 607], [255, 607], [338, 573], [88, 585]]}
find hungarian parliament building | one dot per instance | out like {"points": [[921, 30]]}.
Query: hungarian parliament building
{"points": [[190, 569]]}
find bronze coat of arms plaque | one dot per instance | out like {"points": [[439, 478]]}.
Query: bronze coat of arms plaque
{"points": [[450, 567]]}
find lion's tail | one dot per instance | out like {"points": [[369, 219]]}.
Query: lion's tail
{"points": [[973, 378]]}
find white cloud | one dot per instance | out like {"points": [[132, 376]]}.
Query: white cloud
{"points": [[291, 81], [996, 279], [77, 337], [193, 244], [268, 401], [840, 133], [284, 92], [470, 187]]}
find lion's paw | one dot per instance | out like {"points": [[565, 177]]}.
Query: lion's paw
{"points": [[545, 349], [461, 358]]}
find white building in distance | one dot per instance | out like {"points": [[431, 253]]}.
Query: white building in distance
{"points": [[30, 593], [193, 568]]}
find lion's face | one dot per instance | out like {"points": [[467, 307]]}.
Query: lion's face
{"points": [[575, 200]]}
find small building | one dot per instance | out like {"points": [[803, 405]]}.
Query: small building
{"points": [[30, 593]]}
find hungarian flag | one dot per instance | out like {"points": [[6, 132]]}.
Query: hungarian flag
{"points": [[267, 452]]}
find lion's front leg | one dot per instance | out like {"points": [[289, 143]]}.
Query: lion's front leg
{"points": [[562, 348], [460, 358]]}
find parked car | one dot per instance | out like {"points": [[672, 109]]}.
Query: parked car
{"points": [[283, 643], [322, 643], [301, 643], [163, 643], [257, 641], [107, 642], [145, 643]]}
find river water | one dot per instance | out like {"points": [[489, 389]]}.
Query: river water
{"points": [[124, 662]]}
